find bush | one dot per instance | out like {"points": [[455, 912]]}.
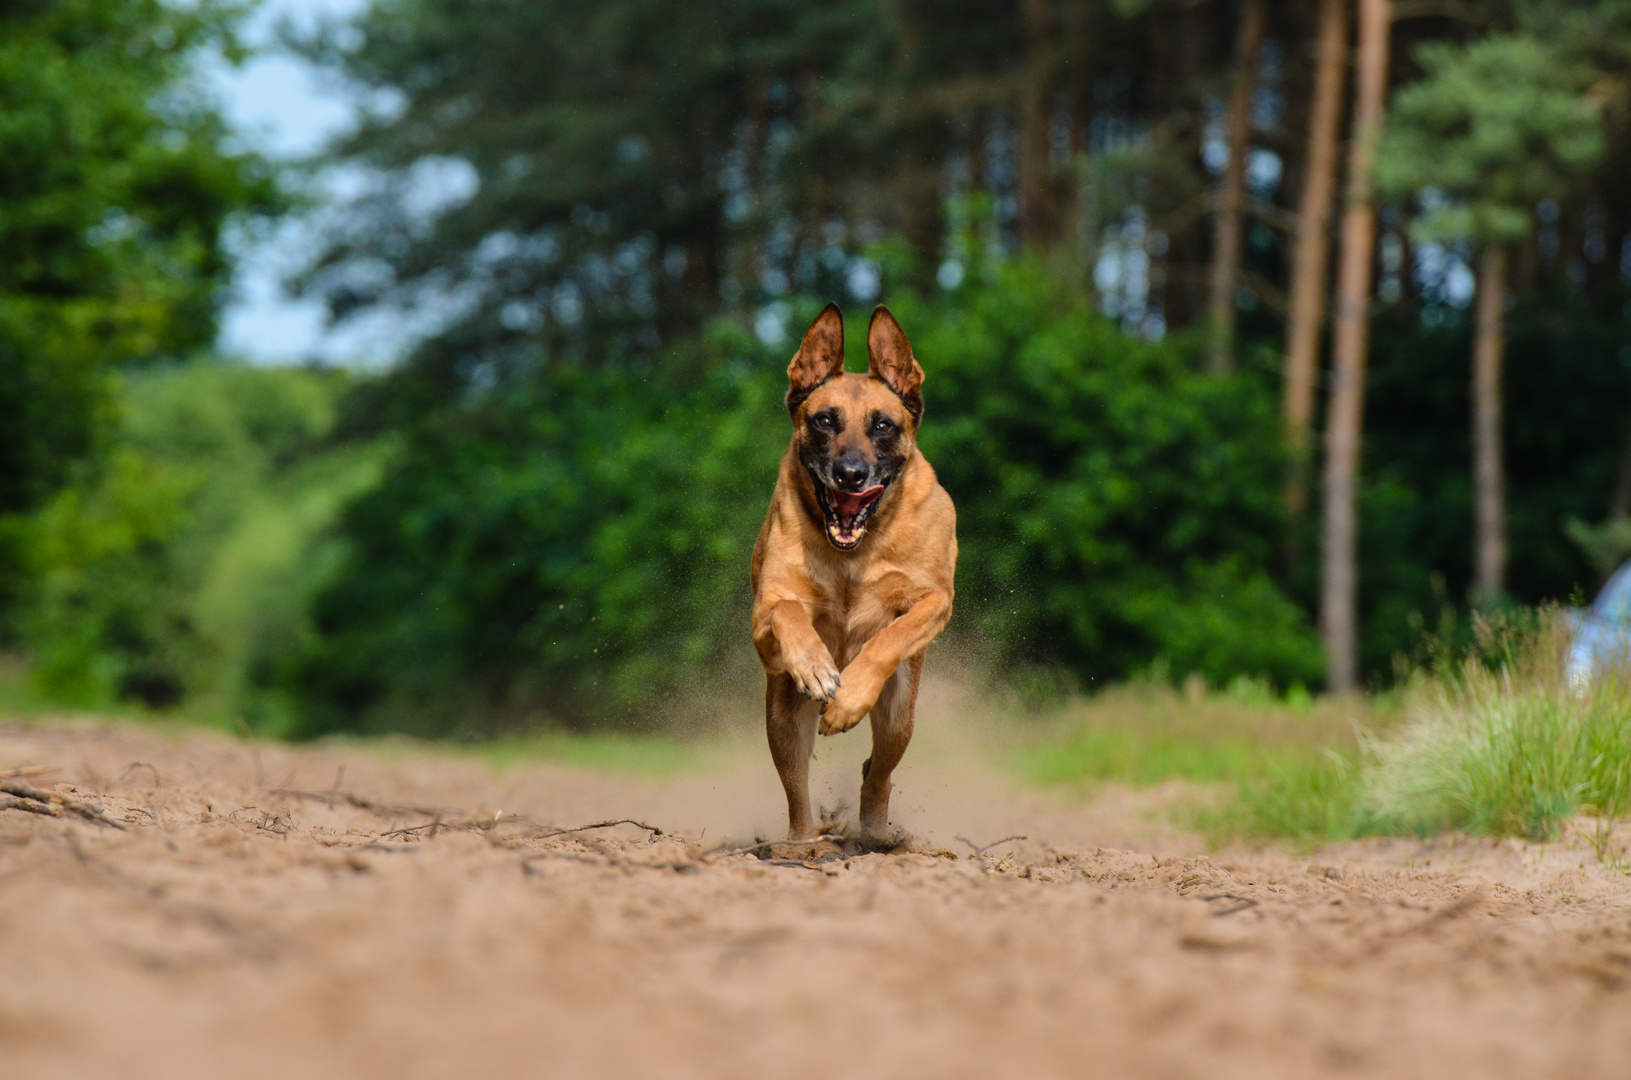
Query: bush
{"points": [[1115, 506], [570, 547], [570, 541], [178, 570]]}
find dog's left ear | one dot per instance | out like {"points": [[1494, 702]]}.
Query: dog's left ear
{"points": [[891, 360]]}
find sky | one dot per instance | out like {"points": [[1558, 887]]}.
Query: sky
{"points": [[288, 109]]}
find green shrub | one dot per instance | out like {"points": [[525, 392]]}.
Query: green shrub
{"points": [[571, 542], [178, 571], [1114, 505]]}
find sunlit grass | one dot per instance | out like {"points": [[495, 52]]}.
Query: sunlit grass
{"points": [[1506, 750], [1494, 743], [1260, 765], [1147, 734], [1307, 802]]}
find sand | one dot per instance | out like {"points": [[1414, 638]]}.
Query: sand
{"points": [[233, 929]]}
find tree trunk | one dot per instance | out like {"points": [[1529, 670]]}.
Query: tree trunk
{"points": [[1231, 219], [1037, 212], [1339, 584], [1310, 269], [1489, 511]]}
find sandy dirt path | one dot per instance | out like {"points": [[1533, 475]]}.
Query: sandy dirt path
{"points": [[230, 930]]}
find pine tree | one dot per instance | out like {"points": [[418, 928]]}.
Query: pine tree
{"points": [[1310, 264], [1339, 591], [1496, 126]]}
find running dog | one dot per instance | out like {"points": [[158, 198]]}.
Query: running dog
{"points": [[852, 572]]}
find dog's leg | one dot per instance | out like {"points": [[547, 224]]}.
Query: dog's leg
{"points": [[892, 719], [787, 642], [865, 675], [790, 723]]}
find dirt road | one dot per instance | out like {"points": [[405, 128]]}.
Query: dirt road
{"points": [[234, 930]]}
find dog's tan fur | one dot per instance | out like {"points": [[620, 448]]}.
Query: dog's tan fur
{"points": [[842, 633]]}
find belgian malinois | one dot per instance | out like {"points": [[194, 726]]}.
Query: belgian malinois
{"points": [[852, 572]]}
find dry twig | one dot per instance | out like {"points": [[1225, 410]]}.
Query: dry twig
{"points": [[8, 802], [1241, 903], [22, 791], [979, 852], [28, 771], [394, 810], [762, 845], [652, 829]]}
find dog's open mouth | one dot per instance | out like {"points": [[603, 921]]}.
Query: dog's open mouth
{"points": [[847, 512]]}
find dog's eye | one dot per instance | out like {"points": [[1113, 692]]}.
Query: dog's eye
{"points": [[880, 426], [824, 422]]}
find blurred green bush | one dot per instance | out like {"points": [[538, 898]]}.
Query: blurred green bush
{"points": [[573, 543], [117, 181], [1115, 507], [178, 568]]}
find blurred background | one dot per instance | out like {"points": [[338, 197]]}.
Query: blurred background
{"points": [[417, 366]]}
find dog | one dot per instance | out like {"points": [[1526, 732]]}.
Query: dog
{"points": [[853, 569]]}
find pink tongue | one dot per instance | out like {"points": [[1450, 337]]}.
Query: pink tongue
{"points": [[849, 505]]}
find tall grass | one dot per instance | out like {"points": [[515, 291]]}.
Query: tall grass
{"points": [[1500, 743], [1494, 741]]}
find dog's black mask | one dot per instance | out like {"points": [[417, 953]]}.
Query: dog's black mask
{"points": [[854, 447]]}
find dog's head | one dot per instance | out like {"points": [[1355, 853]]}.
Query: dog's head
{"points": [[853, 433]]}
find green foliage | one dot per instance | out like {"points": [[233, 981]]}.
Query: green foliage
{"points": [[598, 132], [1495, 742], [1605, 546], [1114, 505], [1147, 733], [1508, 750], [114, 185], [1563, 449], [180, 568], [1497, 125], [1303, 802], [576, 543]]}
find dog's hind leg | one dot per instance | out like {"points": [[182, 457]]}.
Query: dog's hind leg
{"points": [[892, 718], [790, 724]]}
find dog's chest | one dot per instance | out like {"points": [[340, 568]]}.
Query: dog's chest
{"points": [[856, 602]]}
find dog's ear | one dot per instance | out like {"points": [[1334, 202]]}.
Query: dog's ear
{"points": [[892, 361], [820, 356]]}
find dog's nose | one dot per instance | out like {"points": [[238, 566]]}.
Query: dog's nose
{"points": [[850, 475]]}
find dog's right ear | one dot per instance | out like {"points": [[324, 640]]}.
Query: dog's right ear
{"points": [[820, 357]]}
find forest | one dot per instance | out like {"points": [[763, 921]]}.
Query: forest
{"points": [[1265, 340]]}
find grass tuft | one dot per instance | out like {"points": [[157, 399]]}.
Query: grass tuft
{"points": [[1495, 742], [1507, 750]]}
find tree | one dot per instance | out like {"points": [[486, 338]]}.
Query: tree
{"points": [[1231, 217], [114, 187], [1310, 263], [1496, 126], [1339, 583]]}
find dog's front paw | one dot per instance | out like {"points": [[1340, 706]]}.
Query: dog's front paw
{"points": [[816, 677], [844, 711]]}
